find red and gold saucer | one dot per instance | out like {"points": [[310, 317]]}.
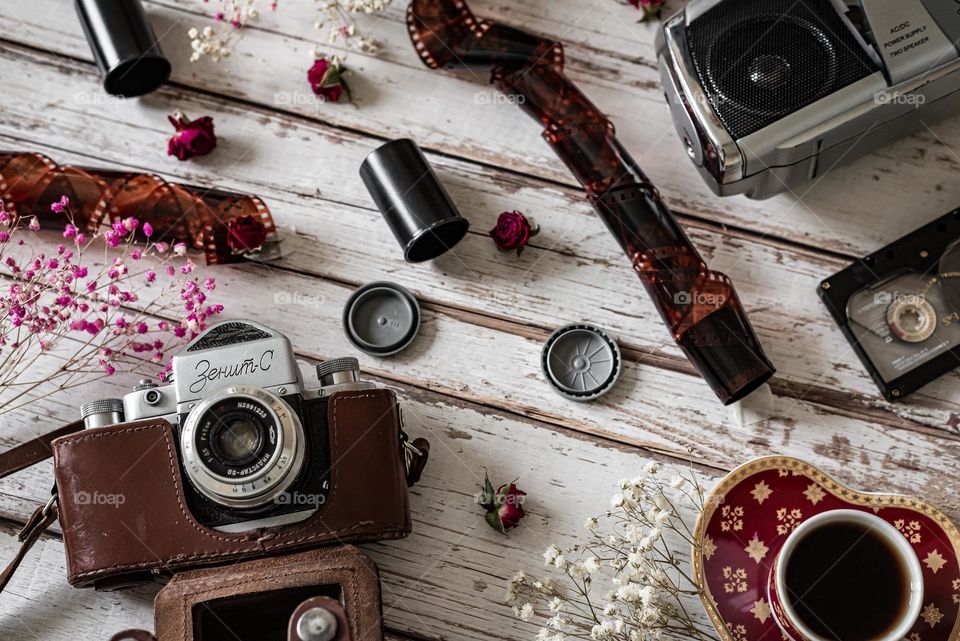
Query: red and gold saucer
{"points": [[753, 509]]}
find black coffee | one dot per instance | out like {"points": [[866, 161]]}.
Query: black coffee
{"points": [[847, 583]]}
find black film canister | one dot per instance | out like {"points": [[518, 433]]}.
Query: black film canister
{"points": [[124, 46], [417, 208]]}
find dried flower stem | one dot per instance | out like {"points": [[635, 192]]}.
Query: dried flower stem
{"points": [[57, 305], [647, 583]]}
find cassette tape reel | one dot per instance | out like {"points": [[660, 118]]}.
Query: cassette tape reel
{"points": [[900, 307]]}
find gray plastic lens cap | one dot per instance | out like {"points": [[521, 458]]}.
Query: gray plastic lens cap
{"points": [[381, 318], [581, 361]]}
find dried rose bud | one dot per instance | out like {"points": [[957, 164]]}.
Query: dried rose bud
{"points": [[326, 79], [504, 507], [246, 234], [513, 231], [193, 137]]}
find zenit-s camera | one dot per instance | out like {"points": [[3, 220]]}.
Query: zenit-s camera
{"points": [[236, 457], [253, 438]]}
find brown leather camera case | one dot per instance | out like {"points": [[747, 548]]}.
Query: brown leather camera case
{"points": [[124, 515], [255, 599]]}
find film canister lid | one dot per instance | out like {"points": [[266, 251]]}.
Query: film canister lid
{"points": [[381, 318], [416, 207], [124, 46], [581, 361]]}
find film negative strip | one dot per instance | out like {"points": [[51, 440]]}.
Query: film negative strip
{"points": [[899, 307], [699, 306], [205, 218]]}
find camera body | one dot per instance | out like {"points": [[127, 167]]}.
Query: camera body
{"points": [[253, 440], [767, 94]]}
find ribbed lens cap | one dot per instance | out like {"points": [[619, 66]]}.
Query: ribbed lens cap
{"points": [[381, 318], [581, 361]]}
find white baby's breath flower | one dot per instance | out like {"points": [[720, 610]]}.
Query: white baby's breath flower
{"points": [[550, 555], [640, 595], [603, 631], [577, 570]]}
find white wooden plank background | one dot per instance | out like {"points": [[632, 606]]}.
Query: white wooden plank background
{"points": [[472, 379]]}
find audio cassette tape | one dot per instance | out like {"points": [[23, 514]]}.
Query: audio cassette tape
{"points": [[900, 307]]}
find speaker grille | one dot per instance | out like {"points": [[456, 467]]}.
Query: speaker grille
{"points": [[760, 60]]}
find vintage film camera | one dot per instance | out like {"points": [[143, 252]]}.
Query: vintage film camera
{"points": [[767, 94], [236, 458], [252, 437]]}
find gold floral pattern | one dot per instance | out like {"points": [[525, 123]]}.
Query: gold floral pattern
{"points": [[735, 580], [738, 632], [814, 493], [756, 549], [788, 520], [910, 530], [761, 492], [935, 561], [761, 610], [708, 547], [931, 614], [731, 518], [740, 481]]}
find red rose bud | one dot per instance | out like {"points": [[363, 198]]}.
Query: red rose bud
{"points": [[326, 79], [504, 507], [193, 137], [245, 234], [513, 231]]}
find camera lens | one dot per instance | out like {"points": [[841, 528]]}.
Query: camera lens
{"points": [[242, 446], [238, 439]]}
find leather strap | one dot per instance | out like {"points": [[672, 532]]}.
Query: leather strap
{"points": [[415, 457], [39, 521], [39, 449], [21, 457]]}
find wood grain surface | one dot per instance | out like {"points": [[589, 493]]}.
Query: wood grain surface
{"points": [[472, 381]]}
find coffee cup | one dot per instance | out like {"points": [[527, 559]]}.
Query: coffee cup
{"points": [[845, 575]]}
